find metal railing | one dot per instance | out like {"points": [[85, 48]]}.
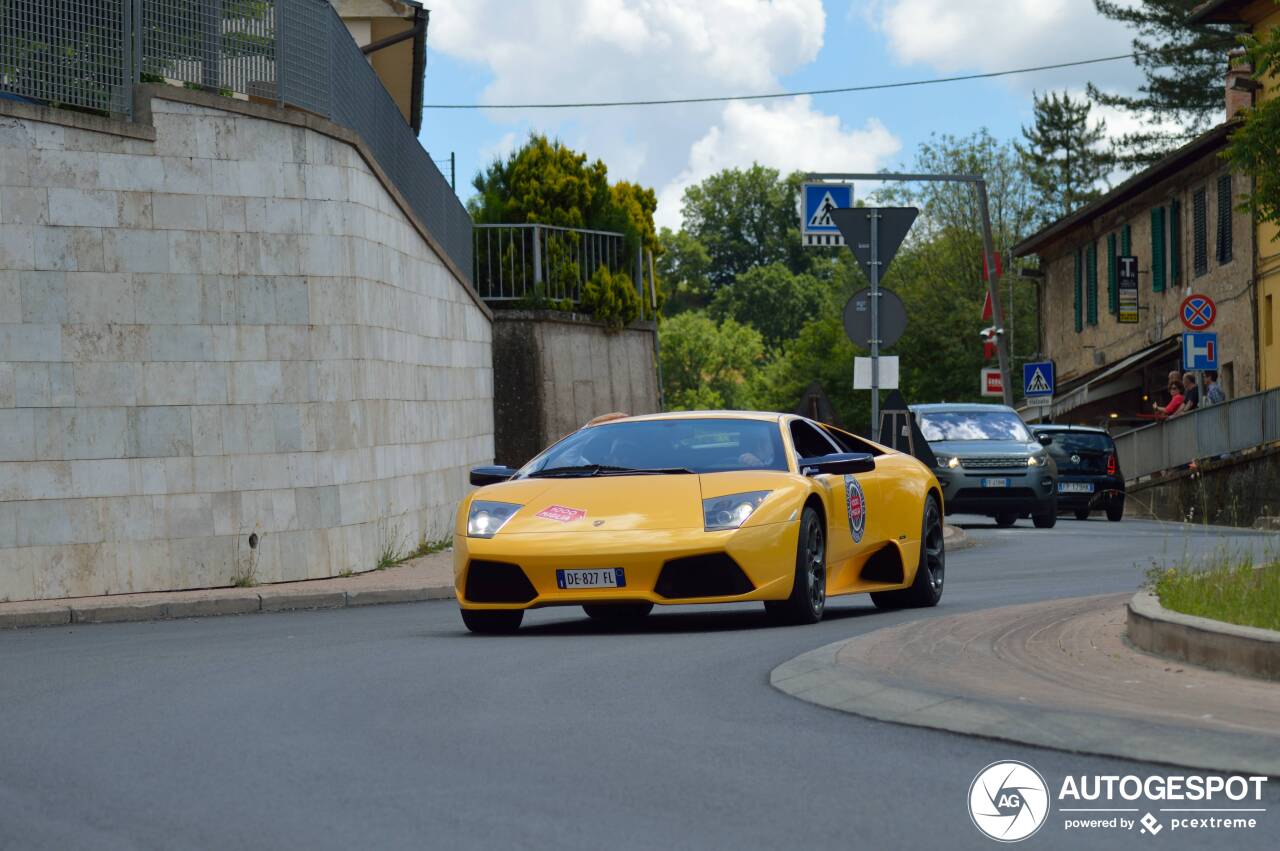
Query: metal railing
{"points": [[90, 54], [1207, 432], [513, 262]]}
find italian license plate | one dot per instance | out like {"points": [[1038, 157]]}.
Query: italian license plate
{"points": [[1075, 487], [605, 577], [995, 483]]}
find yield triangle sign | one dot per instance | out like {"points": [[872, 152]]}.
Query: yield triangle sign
{"points": [[1038, 383], [821, 217], [855, 227]]}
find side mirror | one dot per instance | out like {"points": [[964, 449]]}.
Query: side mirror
{"points": [[490, 475], [838, 463], [1045, 439]]}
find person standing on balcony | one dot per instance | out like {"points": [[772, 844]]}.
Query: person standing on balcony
{"points": [[1213, 393], [1163, 412], [1190, 394]]}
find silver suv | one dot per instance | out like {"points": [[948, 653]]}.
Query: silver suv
{"points": [[988, 463]]}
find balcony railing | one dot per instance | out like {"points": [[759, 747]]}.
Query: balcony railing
{"points": [[514, 262], [1207, 432], [90, 54]]}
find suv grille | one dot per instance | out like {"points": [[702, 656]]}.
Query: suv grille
{"points": [[991, 462]]}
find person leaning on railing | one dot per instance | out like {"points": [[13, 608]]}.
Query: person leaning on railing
{"points": [[1163, 412], [1190, 394], [1213, 393]]}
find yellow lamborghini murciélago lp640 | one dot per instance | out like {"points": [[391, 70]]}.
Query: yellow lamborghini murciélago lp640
{"points": [[699, 507]]}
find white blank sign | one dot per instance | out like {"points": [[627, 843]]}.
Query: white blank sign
{"points": [[888, 373]]}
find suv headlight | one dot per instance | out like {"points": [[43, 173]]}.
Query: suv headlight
{"points": [[486, 517], [1037, 460], [950, 463], [730, 512]]}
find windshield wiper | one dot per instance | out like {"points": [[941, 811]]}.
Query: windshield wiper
{"points": [[605, 470]]}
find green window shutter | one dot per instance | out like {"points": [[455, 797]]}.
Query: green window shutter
{"points": [[1113, 292], [1200, 232], [1078, 301], [1091, 283], [1175, 242], [1224, 220], [1126, 240], [1157, 250]]}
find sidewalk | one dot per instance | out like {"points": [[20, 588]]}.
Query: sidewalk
{"points": [[1058, 675], [426, 578]]}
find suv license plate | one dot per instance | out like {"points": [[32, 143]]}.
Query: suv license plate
{"points": [[606, 577], [1075, 487], [995, 483]]}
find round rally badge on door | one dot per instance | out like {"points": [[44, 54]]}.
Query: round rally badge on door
{"points": [[855, 502]]}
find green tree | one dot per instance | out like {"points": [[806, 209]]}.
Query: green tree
{"points": [[773, 301], [611, 298], [684, 269], [744, 218], [1062, 155], [1254, 147], [1183, 66], [708, 366], [545, 182]]}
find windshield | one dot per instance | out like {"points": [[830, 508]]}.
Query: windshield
{"points": [[694, 445], [1068, 443], [972, 425]]}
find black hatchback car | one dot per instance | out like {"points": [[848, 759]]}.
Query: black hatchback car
{"points": [[1089, 476]]}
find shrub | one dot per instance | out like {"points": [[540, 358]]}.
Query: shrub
{"points": [[611, 298]]}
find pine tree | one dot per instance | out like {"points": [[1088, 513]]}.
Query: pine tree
{"points": [[1184, 67], [1062, 155]]}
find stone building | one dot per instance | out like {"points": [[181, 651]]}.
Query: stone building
{"points": [[1179, 217], [229, 350]]}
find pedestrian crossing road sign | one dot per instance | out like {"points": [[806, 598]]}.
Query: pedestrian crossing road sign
{"points": [[816, 224], [1037, 379]]}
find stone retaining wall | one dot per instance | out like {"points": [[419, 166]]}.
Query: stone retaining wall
{"points": [[232, 331]]}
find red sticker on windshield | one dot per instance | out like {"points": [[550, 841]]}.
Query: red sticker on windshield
{"points": [[560, 513]]}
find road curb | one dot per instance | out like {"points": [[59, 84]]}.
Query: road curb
{"points": [[1246, 650], [171, 606], [957, 539], [818, 677]]}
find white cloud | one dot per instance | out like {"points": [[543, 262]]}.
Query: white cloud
{"points": [[995, 35], [588, 50], [786, 135]]}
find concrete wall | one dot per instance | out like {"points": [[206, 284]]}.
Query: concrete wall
{"points": [[1232, 492], [233, 329], [1077, 353], [554, 371]]}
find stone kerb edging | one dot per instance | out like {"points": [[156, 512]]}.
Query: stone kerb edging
{"points": [[1246, 650]]}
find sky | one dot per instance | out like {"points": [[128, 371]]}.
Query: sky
{"points": [[529, 51]]}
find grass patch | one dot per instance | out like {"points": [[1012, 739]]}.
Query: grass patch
{"points": [[426, 548], [1233, 590]]}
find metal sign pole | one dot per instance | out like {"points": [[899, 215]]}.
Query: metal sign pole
{"points": [[993, 287], [875, 321]]}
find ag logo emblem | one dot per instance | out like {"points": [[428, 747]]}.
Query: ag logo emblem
{"points": [[1008, 801], [855, 502]]}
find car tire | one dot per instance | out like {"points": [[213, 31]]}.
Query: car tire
{"points": [[926, 589], [808, 598], [1115, 511], [1082, 514], [617, 612], [1005, 519], [492, 621], [1045, 521]]}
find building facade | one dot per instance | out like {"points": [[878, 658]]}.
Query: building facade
{"points": [[1180, 218], [1259, 16]]}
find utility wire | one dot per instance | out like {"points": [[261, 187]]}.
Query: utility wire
{"points": [[841, 90]]}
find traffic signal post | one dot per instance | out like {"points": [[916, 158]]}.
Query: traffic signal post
{"points": [[988, 248]]}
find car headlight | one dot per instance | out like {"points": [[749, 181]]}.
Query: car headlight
{"points": [[486, 517], [1037, 461], [951, 462], [730, 512]]}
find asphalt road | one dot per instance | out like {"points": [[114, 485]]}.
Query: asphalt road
{"points": [[390, 727]]}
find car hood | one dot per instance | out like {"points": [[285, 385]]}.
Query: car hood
{"points": [[980, 448], [601, 503]]}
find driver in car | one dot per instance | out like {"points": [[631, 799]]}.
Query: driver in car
{"points": [[757, 449]]}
